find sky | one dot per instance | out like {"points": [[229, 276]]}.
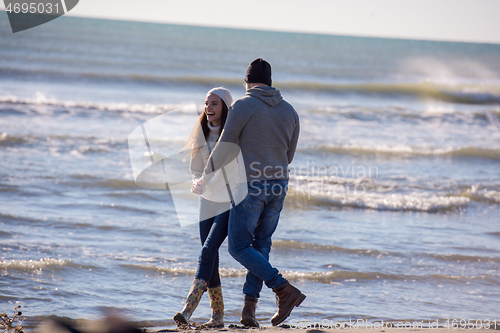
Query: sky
{"points": [[450, 20]]}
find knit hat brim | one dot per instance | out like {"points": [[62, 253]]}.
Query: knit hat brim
{"points": [[224, 94]]}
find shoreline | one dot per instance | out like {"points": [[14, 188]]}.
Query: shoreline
{"points": [[272, 329], [119, 325], [368, 327]]}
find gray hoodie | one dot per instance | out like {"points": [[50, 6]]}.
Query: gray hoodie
{"points": [[266, 128]]}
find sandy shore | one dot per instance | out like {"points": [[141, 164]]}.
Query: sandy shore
{"points": [[118, 325], [322, 330], [409, 327]]}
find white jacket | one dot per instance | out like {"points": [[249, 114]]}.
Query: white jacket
{"points": [[216, 188]]}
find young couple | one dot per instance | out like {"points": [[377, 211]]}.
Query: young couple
{"points": [[266, 129]]}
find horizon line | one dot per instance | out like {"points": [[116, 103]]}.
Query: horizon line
{"points": [[422, 39], [321, 33]]}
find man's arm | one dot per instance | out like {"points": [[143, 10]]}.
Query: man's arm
{"points": [[226, 149], [293, 143]]}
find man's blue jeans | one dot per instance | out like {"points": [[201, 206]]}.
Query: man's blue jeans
{"points": [[251, 226]]}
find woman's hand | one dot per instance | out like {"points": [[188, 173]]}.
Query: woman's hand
{"points": [[198, 186]]}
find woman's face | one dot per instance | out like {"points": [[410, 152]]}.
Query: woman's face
{"points": [[213, 109]]}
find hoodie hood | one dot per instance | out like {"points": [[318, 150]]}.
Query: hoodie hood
{"points": [[269, 95]]}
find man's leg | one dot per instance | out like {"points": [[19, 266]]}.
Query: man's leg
{"points": [[253, 284], [287, 296], [261, 209], [252, 289], [262, 243], [243, 222]]}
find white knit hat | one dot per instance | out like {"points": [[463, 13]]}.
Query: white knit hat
{"points": [[224, 94]]}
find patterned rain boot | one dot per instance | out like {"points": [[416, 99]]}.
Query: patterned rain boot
{"points": [[192, 300], [217, 305]]}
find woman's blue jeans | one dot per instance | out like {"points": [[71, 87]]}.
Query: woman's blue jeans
{"points": [[251, 225], [214, 218]]}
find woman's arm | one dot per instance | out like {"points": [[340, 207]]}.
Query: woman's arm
{"points": [[196, 165]]}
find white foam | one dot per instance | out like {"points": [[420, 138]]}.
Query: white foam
{"points": [[482, 194], [41, 99], [352, 195], [32, 264]]}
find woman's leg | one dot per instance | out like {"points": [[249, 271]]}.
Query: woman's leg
{"points": [[198, 286], [194, 296], [217, 305], [213, 232]]}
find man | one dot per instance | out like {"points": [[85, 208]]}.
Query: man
{"points": [[266, 129]]}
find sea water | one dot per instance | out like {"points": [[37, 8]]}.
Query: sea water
{"points": [[393, 211]]}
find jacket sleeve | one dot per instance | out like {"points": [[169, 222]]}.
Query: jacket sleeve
{"points": [[196, 165], [293, 143]]}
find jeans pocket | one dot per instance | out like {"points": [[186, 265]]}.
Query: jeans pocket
{"points": [[251, 205], [278, 204], [279, 198]]}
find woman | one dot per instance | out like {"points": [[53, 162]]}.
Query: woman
{"points": [[214, 208]]}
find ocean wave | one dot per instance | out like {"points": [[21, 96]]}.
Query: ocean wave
{"points": [[76, 145], [465, 94], [441, 114], [405, 150], [232, 272], [331, 191], [327, 277], [89, 181], [31, 265], [425, 90], [224, 272], [115, 183], [125, 77], [7, 140], [341, 196], [17, 218], [315, 191], [482, 195], [291, 244], [40, 99], [287, 245], [341, 277], [461, 257], [21, 191], [342, 188], [122, 208]]}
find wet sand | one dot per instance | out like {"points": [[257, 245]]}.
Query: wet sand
{"points": [[329, 330]]}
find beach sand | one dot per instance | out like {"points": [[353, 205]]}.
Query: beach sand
{"points": [[117, 325], [321, 330], [375, 329]]}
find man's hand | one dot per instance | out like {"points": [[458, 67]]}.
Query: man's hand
{"points": [[198, 186]]}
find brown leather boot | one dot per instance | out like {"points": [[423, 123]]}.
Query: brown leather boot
{"points": [[286, 299], [248, 314]]}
